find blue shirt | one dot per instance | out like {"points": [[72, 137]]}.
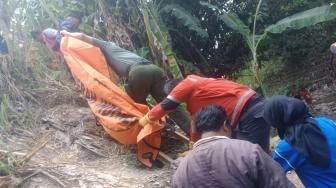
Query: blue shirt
{"points": [[310, 175]]}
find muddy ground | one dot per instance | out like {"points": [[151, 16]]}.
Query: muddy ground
{"points": [[77, 153]]}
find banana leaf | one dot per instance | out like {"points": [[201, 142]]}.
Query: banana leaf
{"points": [[159, 42], [304, 19], [186, 19], [232, 21]]}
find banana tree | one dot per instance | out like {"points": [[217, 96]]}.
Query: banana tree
{"points": [[297, 21], [159, 43], [158, 35]]}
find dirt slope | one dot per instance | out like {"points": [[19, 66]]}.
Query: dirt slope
{"points": [[79, 154]]}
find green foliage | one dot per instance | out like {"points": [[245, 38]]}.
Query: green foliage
{"points": [[7, 164], [189, 68], [86, 27], [186, 19], [5, 110], [304, 19], [272, 67], [218, 38], [244, 77], [151, 101], [296, 21], [231, 20], [159, 39], [143, 52]]}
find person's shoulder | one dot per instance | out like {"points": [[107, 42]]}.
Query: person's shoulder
{"points": [[324, 120], [242, 147], [193, 77], [283, 146], [189, 81], [196, 80], [284, 150], [241, 143], [189, 161], [327, 126]]}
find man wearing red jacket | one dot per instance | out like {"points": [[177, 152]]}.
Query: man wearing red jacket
{"points": [[243, 106]]}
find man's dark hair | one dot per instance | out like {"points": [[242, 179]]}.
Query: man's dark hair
{"points": [[170, 85], [35, 34], [210, 118]]}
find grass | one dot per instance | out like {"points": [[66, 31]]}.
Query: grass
{"points": [[7, 161], [7, 164], [11, 99], [5, 124]]}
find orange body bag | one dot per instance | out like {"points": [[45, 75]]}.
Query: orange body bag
{"points": [[112, 107]]}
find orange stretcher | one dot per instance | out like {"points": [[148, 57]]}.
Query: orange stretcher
{"points": [[112, 107]]}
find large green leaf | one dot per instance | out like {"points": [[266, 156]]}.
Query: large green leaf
{"points": [[186, 19], [159, 41], [214, 7], [232, 20], [304, 19]]}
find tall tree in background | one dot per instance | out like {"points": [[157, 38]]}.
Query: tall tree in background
{"points": [[177, 35], [296, 21]]}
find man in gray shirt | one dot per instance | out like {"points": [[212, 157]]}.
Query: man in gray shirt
{"points": [[218, 161], [142, 77]]}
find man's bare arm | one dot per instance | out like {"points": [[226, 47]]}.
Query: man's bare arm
{"points": [[80, 36]]}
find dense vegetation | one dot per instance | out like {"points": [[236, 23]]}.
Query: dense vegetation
{"points": [[239, 39], [187, 32]]}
